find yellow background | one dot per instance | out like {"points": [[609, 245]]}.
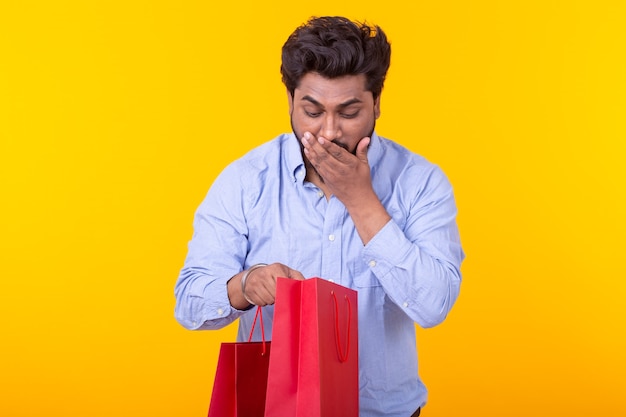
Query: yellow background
{"points": [[115, 116]]}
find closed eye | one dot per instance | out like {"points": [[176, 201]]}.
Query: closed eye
{"points": [[312, 114]]}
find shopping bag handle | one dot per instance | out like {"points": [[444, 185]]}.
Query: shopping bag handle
{"points": [[259, 313], [342, 357]]}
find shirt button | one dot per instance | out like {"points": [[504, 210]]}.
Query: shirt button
{"points": [[194, 323], [330, 280], [220, 311], [320, 193], [405, 304], [331, 238], [372, 263]]}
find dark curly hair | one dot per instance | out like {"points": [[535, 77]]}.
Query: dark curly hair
{"points": [[334, 47]]}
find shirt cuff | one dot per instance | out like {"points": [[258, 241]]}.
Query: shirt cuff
{"points": [[388, 248]]}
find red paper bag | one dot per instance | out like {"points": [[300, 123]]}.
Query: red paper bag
{"points": [[241, 378], [313, 370]]}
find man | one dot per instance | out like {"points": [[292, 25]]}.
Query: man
{"points": [[333, 200]]}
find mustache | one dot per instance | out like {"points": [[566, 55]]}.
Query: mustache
{"points": [[343, 145]]}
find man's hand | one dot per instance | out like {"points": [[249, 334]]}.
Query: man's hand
{"points": [[260, 286], [345, 175], [348, 178]]}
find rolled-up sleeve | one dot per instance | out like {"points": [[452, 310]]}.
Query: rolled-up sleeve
{"points": [[418, 264]]}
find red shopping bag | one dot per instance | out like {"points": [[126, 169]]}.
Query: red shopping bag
{"points": [[241, 377], [313, 370]]}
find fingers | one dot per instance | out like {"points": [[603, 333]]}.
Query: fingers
{"points": [[293, 274], [311, 151], [320, 149], [328, 159], [361, 149], [260, 286]]}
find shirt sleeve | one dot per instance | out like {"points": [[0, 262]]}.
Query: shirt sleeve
{"points": [[216, 252], [416, 256]]}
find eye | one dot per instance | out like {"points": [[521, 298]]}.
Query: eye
{"points": [[349, 115], [312, 114]]}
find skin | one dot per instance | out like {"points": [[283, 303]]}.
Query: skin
{"points": [[333, 119]]}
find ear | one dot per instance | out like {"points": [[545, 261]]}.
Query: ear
{"points": [[377, 107], [290, 101]]}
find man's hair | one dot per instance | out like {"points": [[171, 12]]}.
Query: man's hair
{"points": [[334, 47]]}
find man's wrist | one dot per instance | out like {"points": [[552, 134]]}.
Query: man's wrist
{"points": [[244, 278]]}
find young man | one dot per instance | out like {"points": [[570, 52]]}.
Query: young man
{"points": [[334, 200]]}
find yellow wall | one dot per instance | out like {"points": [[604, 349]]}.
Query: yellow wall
{"points": [[115, 116]]}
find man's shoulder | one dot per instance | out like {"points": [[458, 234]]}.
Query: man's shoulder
{"points": [[265, 160], [396, 153], [267, 151], [408, 168]]}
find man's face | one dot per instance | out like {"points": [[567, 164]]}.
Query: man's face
{"points": [[338, 109]]}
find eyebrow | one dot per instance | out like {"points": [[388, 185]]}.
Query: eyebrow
{"points": [[341, 105]]}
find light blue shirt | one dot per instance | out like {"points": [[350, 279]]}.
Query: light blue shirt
{"points": [[260, 210]]}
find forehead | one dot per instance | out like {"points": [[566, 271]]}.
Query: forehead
{"points": [[329, 91]]}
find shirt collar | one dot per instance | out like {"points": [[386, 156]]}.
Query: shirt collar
{"points": [[375, 150], [293, 156]]}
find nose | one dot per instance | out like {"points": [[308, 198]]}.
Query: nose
{"points": [[331, 127]]}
